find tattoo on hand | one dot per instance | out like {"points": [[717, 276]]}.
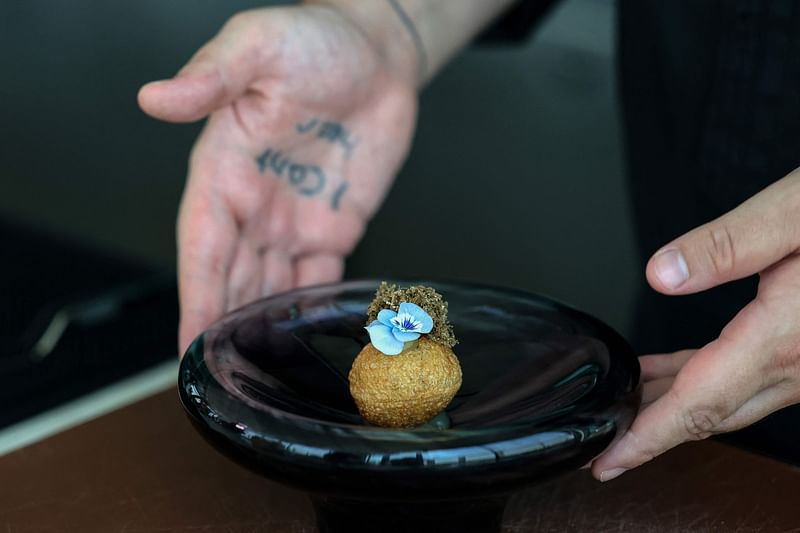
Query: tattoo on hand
{"points": [[337, 196], [422, 55], [308, 126], [331, 131], [307, 180]]}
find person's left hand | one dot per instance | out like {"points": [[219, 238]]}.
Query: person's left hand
{"points": [[753, 368]]}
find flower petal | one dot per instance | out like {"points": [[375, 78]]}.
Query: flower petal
{"points": [[419, 314], [427, 323], [405, 336], [411, 309], [385, 316], [380, 335]]}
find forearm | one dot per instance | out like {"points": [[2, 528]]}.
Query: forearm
{"points": [[418, 37]]}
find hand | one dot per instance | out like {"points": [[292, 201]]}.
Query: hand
{"points": [[753, 368], [309, 121]]}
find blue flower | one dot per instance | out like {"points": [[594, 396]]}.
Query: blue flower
{"points": [[392, 330]]}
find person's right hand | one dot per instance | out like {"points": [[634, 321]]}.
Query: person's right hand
{"points": [[309, 121]]}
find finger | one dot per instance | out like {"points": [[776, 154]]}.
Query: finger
{"points": [[759, 406], [663, 365], [653, 390], [318, 268], [736, 245], [218, 73], [244, 281], [763, 404], [206, 237], [277, 275], [708, 391]]}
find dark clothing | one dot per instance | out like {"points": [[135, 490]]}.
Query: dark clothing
{"points": [[711, 100]]}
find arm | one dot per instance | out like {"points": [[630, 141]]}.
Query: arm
{"points": [[420, 36]]}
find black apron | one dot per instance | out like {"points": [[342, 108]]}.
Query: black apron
{"points": [[710, 92]]}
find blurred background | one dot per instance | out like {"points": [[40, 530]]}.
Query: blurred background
{"points": [[518, 150]]}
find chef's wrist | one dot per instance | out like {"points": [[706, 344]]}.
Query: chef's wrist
{"points": [[399, 47]]}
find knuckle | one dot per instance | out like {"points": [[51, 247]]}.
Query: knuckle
{"points": [[793, 392], [204, 55], [645, 450], [789, 390], [701, 423], [245, 26], [313, 239], [786, 362], [721, 250], [238, 20], [282, 227]]}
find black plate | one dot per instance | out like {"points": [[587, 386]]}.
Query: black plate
{"points": [[545, 389]]}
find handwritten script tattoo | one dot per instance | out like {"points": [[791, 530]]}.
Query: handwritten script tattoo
{"points": [[422, 55], [337, 196], [307, 180], [331, 131]]}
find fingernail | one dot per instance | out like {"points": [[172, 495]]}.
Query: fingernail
{"points": [[671, 268], [608, 475]]}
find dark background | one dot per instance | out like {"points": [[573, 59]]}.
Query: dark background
{"points": [[517, 148]]}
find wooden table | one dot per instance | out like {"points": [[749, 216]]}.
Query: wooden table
{"points": [[144, 469]]}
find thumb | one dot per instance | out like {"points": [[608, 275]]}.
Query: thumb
{"points": [[218, 73], [738, 244]]}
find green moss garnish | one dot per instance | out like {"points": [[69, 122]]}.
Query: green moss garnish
{"points": [[391, 296]]}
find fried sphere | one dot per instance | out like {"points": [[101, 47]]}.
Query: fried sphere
{"points": [[404, 390]]}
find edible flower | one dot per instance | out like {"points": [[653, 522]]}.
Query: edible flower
{"points": [[393, 329]]}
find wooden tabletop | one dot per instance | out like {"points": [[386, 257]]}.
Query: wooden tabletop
{"points": [[144, 469]]}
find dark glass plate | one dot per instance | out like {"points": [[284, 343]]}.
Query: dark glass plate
{"points": [[545, 389]]}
